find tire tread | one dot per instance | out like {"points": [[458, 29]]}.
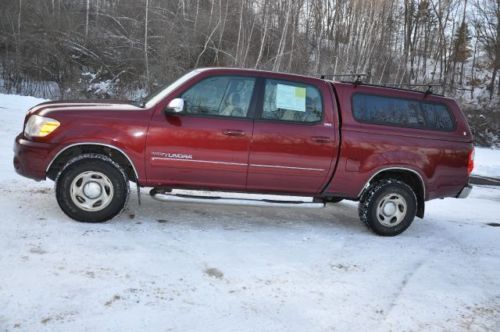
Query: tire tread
{"points": [[84, 216], [368, 197]]}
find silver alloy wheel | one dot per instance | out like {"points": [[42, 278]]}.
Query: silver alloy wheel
{"points": [[391, 210], [91, 191]]}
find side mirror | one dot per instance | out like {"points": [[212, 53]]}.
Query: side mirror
{"points": [[175, 106]]}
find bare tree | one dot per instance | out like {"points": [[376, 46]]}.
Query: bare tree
{"points": [[144, 44], [146, 57], [87, 16], [487, 23]]}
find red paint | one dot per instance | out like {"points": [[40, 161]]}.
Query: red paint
{"points": [[306, 152], [332, 157], [218, 161]]}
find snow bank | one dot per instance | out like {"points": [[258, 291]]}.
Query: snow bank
{"points": [[15, 104], [487, 162], [12, 112]]}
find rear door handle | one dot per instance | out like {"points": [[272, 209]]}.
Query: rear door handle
{"points": [[233, 132], [321, 139]]}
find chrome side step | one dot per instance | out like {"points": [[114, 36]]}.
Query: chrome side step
{"points": [[207, 198]]}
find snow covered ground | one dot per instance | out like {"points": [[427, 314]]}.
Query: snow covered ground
{"points": [[179, 267], [487, 162]]}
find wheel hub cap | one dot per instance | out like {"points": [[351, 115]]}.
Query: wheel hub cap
{"points": [[391, 210], [92, 189]]}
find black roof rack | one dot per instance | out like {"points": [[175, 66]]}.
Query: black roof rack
{"points": [[358, 76], [395, 86], [399, 87]]}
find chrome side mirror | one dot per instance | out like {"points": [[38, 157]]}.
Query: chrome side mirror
{"points": [[175, 106]]}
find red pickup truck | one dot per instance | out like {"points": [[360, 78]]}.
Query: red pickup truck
{"points": [[249, 131]]}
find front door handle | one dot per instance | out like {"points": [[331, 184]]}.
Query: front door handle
{"points": [[321, 139], [233, 132]]}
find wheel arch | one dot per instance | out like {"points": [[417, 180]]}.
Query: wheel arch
{"points": [[409, 176], [70, 151]]}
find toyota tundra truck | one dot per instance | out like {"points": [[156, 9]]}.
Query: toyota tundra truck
{"points": [[253, 132]]}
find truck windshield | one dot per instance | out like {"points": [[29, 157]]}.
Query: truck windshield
{"points": [[156, 96]]}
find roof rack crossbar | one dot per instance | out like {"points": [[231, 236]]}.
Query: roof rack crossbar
{"points": [[357, 75], [398, 87], [358, 81], [409, 84], [428, 91]]}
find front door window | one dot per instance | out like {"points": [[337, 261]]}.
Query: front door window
{"points": [[227, 96]]}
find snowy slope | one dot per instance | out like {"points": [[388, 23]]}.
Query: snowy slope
{"points": [[487, 162], [180, 267], [12, 112]]}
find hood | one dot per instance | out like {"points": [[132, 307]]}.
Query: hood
{"points": [[83, 105]]}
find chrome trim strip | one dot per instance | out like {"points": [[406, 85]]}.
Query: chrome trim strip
{"points": [[97, 144], [199, 161], [237, 164], [289, 167], [391, 169]]}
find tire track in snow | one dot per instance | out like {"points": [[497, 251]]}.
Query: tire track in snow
{"points": [[402, 286]]}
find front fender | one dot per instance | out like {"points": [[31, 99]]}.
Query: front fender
{"points": [[124, 131]]}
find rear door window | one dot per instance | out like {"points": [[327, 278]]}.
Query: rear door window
{"points": [[292, 102]]}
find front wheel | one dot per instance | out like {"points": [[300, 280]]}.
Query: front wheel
{"points": [[92, 188], [388, 207]]}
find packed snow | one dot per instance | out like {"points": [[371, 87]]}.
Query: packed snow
{"points": [[182, 267], [487, 162]]}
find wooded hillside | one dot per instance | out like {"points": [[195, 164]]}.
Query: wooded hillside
{"points": [[108, 48]]}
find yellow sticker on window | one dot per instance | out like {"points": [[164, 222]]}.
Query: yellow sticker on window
{"points": [[300, 92]]}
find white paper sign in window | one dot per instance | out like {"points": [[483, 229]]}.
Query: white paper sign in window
{"points": [[291, 97]]}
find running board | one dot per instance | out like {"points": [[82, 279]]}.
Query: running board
{"points": [[205, 199]]}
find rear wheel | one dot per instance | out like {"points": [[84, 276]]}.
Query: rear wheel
{"points": [[92, 188], [388, 207]]}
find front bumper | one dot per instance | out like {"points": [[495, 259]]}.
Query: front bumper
{"points": [[31, 158], [464, 193]]}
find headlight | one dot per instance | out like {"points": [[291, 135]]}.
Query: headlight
{"points": [[40, 126]]}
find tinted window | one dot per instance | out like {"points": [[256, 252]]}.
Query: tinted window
{"points": [[220, 95], [437, 116], [289, 101], [401, 112]]}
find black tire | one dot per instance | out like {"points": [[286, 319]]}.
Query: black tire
{"points": [[115, 185], [389, 191], [335, 200]]}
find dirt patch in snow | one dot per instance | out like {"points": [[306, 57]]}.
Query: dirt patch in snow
{"points": [[112, 300], [214, 273]]}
